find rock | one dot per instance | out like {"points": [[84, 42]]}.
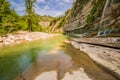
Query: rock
{"points": [[80, 20], [115, 6], [113, 21], [1, 44], [44, 24], [52, 75], [118, 18], [11, 36], [23, 37], [28, 38], [75, 44], [76, 75], [67, 41], [104, 41], [1, 40], [6, 42], [107, 57]]}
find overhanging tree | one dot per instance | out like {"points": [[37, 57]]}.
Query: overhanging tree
{"points": [[30, 12]]}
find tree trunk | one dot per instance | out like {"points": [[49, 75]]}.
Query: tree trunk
{"points": [[29, 25]]}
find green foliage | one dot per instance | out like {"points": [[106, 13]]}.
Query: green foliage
{"points": [[116, 1], [96, 11], [10, 21], [61, 23], [47, 18], [30, 13], [7, 18], [53, 21], [77, 6]]}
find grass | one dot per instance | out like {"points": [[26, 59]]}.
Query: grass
{"points": [[15, 58]]}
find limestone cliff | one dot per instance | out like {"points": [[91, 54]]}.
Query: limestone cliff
{"points": [[89, 18]]}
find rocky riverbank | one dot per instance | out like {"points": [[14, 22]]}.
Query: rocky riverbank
{"points": [[23, 37], [108, 58], [109, 41]]}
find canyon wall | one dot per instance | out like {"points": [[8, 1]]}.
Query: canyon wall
{"points": [[95, 29], [90, 18]]}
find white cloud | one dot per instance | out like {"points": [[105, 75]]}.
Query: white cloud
{"points": [[61, 3], [50, 7], [58, 13], [41, 1], [67, 0], [39, 10], [47, 11], [20, 8]]}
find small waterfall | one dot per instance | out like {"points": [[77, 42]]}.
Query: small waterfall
{"points": [[103, 15], [104, 11]]}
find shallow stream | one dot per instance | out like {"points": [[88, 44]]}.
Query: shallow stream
{"points": [[50, 59]]}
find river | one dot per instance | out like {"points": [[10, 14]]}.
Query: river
{"points": [[50, 59]]}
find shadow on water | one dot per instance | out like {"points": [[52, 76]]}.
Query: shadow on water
{"points": [[63, 59]]}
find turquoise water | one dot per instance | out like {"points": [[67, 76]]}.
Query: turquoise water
{"points": [[15, 58], [28, 60]]}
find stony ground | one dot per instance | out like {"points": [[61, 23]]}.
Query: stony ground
{"points": [[107, 57], [23, 37], [109, 41], [52, 75]]}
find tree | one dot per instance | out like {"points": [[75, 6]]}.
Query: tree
{"points": [[7, 17], [30, 12]]}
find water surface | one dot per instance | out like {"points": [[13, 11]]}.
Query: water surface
{"points": [[49, 59], [60, 60]]}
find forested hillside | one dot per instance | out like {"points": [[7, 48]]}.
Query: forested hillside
{"points": [[11, 22]]}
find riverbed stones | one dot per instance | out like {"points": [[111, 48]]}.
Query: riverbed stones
{"points": [[76, 75], [52, 75], [111, 41], [1, 40], [23, 37], [107, 57], [75, 44]]}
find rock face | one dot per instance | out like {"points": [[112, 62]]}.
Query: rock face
{"points": [[94, 18], [44, 24], [110, 42], [106, 57]]}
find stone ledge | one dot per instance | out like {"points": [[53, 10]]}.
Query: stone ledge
{"points": [[112, 41], [106, 57]]}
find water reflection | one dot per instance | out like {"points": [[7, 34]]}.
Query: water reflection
{"points": [[64, 60], [23, 61], [14, 59], [58, 61]]}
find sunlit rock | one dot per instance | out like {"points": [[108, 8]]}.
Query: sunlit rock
{"points": [[52, 75], [75, 44], [76, 75]]}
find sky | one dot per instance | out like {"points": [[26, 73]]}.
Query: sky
{"points": [[43, 7]]}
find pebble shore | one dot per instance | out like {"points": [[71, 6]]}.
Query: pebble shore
{"points": [[21, 37]]}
